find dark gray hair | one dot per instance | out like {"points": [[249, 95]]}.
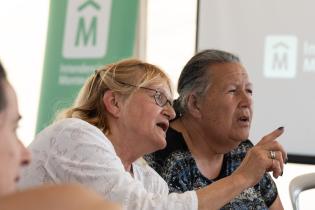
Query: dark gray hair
{"points": [[3, 78], [195, 77]]}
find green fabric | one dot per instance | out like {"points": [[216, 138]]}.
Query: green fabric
{"points": [[82, 36]]}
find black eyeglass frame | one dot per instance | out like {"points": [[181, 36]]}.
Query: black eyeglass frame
{"points": [[156, 96]]}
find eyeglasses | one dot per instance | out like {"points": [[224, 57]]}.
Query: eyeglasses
{"points": [[160, 99]]}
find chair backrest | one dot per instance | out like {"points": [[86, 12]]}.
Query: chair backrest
{"points": [[299, 184]]}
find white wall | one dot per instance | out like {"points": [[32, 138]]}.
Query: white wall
{"points": [[22, 40], [171, 34], [170, 43]]}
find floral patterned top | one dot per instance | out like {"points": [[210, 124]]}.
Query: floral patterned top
{"points": [[178, 168], [74, 151]]}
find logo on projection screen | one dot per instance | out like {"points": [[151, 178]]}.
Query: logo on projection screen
{"points": [[280, 56]]}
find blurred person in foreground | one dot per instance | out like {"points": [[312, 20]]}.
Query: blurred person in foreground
{"points": [[208, 140], [13, 155], [122, 113]]}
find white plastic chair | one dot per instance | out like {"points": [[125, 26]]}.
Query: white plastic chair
{"points": [[298, 185]]}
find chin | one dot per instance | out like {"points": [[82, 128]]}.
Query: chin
{"points": [[160, 144]]}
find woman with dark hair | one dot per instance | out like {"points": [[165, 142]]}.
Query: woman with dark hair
{"points": [[208, 141]]}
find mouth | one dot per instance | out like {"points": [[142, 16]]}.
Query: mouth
{"points": [[163, 126], [17, 179], [245, 120]]}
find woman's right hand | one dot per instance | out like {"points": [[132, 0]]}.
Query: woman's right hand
{"points": [[257, 162], [260, 159]]}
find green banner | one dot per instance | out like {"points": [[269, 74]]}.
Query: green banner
{"points": [[82, 35]]}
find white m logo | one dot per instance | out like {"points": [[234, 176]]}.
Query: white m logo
{"points": [[86, 29], [280, 56]]}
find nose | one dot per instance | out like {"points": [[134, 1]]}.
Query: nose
{"points": [[169, 111], [246, 99], [25, 155]]}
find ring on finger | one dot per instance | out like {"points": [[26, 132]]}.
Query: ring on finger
{"points": [[272, 155]]}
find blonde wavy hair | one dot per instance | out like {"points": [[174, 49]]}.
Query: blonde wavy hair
{"points": [[89, 105]]}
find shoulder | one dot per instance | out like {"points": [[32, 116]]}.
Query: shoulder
{"points": [[68, 134], [175, 145], [72, 125], [178, 164]]}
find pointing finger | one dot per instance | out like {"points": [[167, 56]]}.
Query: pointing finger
{"points": [[272, 136]]}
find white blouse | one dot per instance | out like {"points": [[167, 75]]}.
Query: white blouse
{"points": [[74, 151]]}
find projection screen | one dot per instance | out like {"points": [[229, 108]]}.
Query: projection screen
{"points": [[275, 40]]}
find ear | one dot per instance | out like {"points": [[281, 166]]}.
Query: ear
{"points": [[111, 103], [193, 106]]}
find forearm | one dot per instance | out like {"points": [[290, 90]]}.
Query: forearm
{"points": [[219, 193]]}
